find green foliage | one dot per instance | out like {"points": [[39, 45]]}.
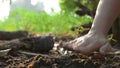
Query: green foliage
{"points": [[59, 23], [72, 5], [68, 5], [91, 4]]}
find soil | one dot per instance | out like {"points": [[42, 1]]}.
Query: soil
{"points": [[57, 57], [57, 60]]}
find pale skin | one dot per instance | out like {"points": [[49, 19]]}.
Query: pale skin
{"points": [[107, 11]]}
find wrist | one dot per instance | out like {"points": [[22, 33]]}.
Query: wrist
{"points": [[94, 33]]}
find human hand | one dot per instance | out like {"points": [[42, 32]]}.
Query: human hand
{"points": [[88, 44]]}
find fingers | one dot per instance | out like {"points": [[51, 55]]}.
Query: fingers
{"points": [[74, 43], [69, 45], [82, 41], [88, 48]]}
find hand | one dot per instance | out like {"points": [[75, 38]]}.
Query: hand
{"points": [[88, 44]]}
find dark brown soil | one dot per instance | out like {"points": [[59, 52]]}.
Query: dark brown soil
{"points": [[56, 58], [52, 60]]}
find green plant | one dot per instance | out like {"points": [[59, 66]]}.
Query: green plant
{"points": [[59, 23]]}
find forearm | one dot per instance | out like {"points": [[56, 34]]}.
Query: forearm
{"points": [[106, 13]]}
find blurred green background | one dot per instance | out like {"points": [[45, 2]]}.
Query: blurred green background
{"points": [[73, 13]]}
